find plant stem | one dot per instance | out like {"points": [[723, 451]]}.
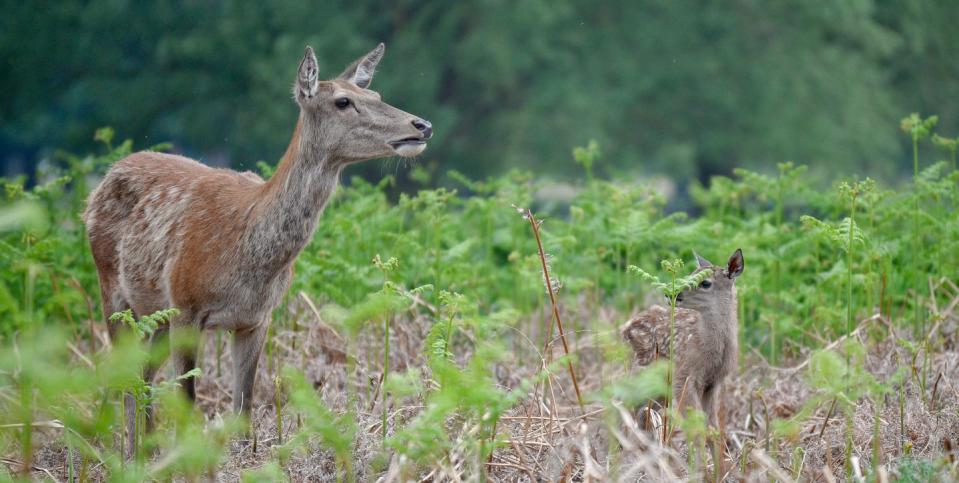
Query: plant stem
{"points": [[876, 437], [669, 357], [136, 426], [123, 426], [386, 368], [26, 435], [277, 401], [219, 351], [449, 335], [849, 261], [916, 242], [552, 298]]}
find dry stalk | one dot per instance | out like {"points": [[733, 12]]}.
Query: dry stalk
{"points": [[769, 465], [827, 475], [535, 224], [592, 470], [73, 282]]}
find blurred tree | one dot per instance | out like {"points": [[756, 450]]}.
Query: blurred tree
{"points": [[686, 87]]}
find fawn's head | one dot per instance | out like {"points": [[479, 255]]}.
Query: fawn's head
{"points": [[347, 120], [717, 292]]}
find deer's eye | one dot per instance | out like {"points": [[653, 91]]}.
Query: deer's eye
{"points": [[705, 284], [342, 103]]}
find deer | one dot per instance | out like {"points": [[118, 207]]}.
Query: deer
{"points": [[706, 331], [166, 231]]}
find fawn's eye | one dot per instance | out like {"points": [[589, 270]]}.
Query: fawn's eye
{"points": [[705, 284], [342, 103]]}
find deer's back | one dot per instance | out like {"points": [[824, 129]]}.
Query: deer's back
{"points": [[697, 353], [648, 333], [161, 225]]}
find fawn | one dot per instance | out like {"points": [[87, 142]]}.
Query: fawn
{"points": [[219, 246], [706, 336]]}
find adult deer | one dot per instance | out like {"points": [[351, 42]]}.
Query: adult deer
{"points": [[219, 246]]}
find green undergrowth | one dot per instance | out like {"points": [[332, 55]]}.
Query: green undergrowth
{"points": [[820, 256]]}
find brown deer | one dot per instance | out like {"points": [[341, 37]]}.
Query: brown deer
{"points": [[219, 246], [706, 336]]}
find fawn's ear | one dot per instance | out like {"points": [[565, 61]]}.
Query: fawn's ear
{"points": [[734, 267], [307, 76], [701, 262], [360, 72]]}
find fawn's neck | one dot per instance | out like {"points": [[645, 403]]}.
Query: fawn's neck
{"points": [[722, 320], [291, 202]]}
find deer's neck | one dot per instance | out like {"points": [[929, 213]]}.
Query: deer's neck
{"points": [[722, 320], [291, 202]]}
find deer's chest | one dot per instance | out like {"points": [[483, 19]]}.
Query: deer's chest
{"points": [[246, 300], [720, 359]]}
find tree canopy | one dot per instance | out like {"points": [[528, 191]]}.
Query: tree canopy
{"points": [[683, 87]]}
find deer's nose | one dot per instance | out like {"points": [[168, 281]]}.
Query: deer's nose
{"points": [[423, 126]]}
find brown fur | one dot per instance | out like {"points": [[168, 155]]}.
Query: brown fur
{"points": [[219, 246], [706, 337]]}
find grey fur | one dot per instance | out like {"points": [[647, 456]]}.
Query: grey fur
{"points": [[218, 245], [706, 336]]}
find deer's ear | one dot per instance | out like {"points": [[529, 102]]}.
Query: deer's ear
{"points": [[734, 267], [701, 262], [361, 71], [307, 76]]}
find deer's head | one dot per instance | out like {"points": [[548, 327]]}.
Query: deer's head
{"points": [[718, 292], [350, 122]]}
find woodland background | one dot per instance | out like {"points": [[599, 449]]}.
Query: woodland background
{"points": [[686, 88]]}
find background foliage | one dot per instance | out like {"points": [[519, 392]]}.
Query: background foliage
{"points": [[686, 87], [689, 89]]}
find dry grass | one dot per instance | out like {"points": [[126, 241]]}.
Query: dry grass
{"points": [[549, 438]]}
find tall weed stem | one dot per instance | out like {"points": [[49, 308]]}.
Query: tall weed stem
{"points": [[535, 224]]}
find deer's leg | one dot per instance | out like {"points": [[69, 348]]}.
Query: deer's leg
{"points": [[183, 350], [686, 392], [114, 302], [247, 345], [711, 405], [152, 367]]}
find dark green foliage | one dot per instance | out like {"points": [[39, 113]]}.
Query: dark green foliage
{"points": [[685, 87]]}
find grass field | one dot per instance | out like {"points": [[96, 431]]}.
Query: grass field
{"points": [[419, 342]]}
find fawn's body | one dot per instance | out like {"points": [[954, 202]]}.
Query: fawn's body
{"points": [[706, 337], [219, 246]]}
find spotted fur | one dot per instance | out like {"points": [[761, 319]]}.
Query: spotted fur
{"points": [[706, 328]]}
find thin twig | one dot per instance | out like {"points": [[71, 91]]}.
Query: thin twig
{"points": [[14, 463], [769, 465], [552, 298], [80, 355]]}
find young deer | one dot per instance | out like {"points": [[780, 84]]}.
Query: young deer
{"points": [[167, 231], [706, 332]]}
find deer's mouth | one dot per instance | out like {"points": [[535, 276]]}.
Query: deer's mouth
{"points": [[408, 147]]}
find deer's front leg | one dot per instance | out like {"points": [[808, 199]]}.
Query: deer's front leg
{"points": [[711, 404], [247, 345], [686, 392]]}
